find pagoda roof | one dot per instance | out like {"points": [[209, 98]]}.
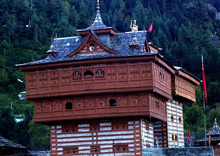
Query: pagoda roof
{"points": [[119, 43], [97, 24], [215, 134], [215, 131]]}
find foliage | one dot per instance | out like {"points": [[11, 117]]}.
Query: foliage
{"points": [[182, 28], [39, 136]]}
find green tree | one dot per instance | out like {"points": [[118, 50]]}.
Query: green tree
{"points": [[39, 136]]}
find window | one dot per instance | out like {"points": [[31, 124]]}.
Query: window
{"points": [[95, 149], [87, 73], [180, 120], [174, 137], [69, 105], [99, 72], [94, 127], [91, 47], [112, 102], [120, 148], [172, 119], [119, 125], [77, 74], [70, 128], [70, 150]]}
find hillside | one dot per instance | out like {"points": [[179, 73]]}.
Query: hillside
{"points": [[184, 29]]}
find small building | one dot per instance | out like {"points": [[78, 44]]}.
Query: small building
{"points": [[104, 93], [9, 148], [214, 137]]}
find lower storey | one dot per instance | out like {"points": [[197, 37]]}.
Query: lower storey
{"points": [[114, 137]]}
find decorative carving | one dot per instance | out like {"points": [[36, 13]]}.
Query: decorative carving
{"points": [[54, 78], [38, 107], [43, 79], [58, 106], [31, 80], [134, 101], [134, 72], [122, 73], [47, 107], [146, 71], [65, 77], [79, 105], [144, 100], [90, 103], [111, 76]]}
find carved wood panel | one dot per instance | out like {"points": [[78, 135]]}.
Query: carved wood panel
{"points": [[82, 107], [43, 79], [54, 77], [65, 77], [146, 71], [111, 73], [123, 73], [38, 107], [58, 105], [31, 80], [134, 72]]}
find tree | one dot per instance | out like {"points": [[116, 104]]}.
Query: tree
{"points": [[39, 136]]}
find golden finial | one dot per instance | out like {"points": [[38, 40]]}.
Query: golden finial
{"points": [[98, 7]]}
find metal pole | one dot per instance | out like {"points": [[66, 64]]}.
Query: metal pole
{"points": [[204, 116], [177, 125]]}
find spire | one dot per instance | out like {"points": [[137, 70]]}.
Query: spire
{"points": [[215, 128], [52, 49], [98, 6], [98, 23]]}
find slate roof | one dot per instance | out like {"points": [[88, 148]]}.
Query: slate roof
{"points": [[61, 47], [97, 24], [119, 43], [215, 133], [7, 143]]}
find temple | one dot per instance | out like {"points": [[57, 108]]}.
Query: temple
{"points": [[212, 139], [108, 93]]}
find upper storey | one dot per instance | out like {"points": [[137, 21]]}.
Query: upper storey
{"points": [[101, 60]]}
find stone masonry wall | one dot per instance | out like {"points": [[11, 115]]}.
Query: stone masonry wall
{"points": [[196, 151]]}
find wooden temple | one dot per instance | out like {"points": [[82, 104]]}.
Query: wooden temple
{"points": [[108, 93]]}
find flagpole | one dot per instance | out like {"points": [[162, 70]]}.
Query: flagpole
{"points": [[204, 98], [204, 116]]}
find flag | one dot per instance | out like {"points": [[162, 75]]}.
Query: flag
{"points": [[150, 28], [131, 25], [189, 135], [157, 142], [209, 137], [157, 135], [203, 80], [143, 137]]}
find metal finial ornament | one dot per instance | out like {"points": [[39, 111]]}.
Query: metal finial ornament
{"points": [[98, 6]]}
